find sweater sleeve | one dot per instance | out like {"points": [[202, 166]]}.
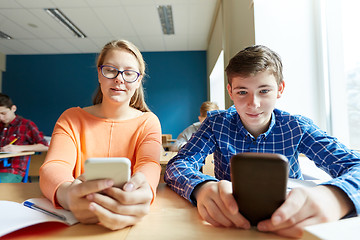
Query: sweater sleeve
{"points": [[148, 152], [60, 159]]}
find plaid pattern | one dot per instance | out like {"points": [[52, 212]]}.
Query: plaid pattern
{"points": [[223, 134], [27, 133]]}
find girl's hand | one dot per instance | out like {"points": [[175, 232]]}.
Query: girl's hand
{"points": [[120, 208], [72, 196]]}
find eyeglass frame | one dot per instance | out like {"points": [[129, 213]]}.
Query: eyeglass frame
{"points": [[121, 72]]}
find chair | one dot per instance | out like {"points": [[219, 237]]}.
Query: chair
{"points": [[26, 176], [167, 141], [6, 163]]}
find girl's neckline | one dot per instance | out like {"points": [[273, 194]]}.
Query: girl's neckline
{"points": [[109, 119]]}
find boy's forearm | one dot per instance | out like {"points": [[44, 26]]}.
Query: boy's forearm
{"points": [[34, 148]]}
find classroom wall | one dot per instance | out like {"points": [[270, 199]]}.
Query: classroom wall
{"points": [[232, 31], [43, 86], [2, 66]]}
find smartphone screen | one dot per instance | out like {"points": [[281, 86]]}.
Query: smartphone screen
{"points": [[259, 183]]}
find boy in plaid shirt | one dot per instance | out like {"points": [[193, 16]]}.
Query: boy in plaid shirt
{"points": [[253, 124], [17, 134]]}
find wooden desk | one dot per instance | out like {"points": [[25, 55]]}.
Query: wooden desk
{"points": [[164, 159], [9, 155], [5, 156], [170, 217], [166, 156]]}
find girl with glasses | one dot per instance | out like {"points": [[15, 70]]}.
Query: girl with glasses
{"points": [[119, 124]]}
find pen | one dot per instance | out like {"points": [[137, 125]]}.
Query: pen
{"points": [[35, 207], [13, 141]]}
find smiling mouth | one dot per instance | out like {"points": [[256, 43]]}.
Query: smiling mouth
{"points": [[118, 89], [253, 114]]}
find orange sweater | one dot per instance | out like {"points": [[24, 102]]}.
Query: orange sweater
{"points": [[78, 135]]}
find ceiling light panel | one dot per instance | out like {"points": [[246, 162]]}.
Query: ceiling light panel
{"points": [[166, 19], [4, 35], [65, 22]]}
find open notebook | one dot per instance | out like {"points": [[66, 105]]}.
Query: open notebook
{"points": [[15, 216]]}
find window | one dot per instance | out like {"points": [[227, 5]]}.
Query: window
{"points": [[351, 49], [217, 82], [319, 42]]}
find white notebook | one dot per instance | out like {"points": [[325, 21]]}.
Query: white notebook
{"points": [[14, 216], [348, 229]]}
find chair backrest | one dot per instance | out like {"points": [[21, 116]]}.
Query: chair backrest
{"points": [[165, 138]]}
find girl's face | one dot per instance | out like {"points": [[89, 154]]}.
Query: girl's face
{"points": [[117, 90]]}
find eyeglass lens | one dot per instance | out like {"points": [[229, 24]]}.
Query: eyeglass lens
{"points": [[127, 75]]}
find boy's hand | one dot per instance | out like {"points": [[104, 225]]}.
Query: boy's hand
{"points": [[217, 206], [12, 148], [307, 206]]}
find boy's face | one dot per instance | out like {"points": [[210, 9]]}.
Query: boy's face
{"points": [[254, 98], [7, 114]]}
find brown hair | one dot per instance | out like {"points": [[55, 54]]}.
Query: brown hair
{"points": [[5, 101], [138, 99], [255, 59], [207, 106]]}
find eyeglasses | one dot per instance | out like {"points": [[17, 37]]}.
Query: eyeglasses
{"points": [[110, 72]]}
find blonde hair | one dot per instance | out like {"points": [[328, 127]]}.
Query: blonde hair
{"points": [[207, 106], [138, 99]]}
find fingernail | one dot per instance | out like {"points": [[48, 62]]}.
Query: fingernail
{"points": [[90, 197], [109, 183], [128, 187], [233, 209], [91, 207], [276, 220]]}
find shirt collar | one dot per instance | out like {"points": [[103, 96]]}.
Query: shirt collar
{"points": [[271, 126], [263, 135], [15, 121]]}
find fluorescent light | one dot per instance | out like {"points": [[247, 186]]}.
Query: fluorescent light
{"points": [[166, 19], [63, 20], [4, 35]]}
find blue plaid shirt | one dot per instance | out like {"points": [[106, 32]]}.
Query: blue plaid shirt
{"points": [[223, 134]]}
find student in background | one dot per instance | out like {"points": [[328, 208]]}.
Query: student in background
{"points": [[255, 82], [119, 124], [185, 136], [17, 134]]}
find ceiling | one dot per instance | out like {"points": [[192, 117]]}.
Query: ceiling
{"points": [[35, 32]]}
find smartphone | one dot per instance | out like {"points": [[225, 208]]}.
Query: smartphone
{"points": [[117, 169], [259, 183]]}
